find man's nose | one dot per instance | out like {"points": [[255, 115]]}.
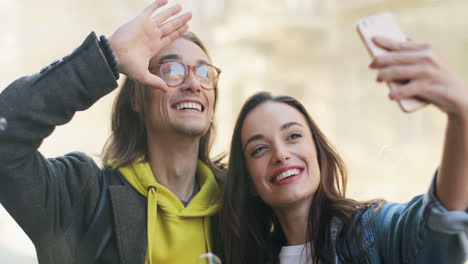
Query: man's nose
{"points": [[191, 83]]}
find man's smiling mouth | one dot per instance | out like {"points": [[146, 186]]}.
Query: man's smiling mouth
{"points": [[189, 106]]}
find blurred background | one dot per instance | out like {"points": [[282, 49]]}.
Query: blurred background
{"points": [[308, 49]]}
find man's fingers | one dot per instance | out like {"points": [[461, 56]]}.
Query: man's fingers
{"points": [[149, 10], [154, 82], [172, 25], [166, 40], [166, 14], [393, 45]]}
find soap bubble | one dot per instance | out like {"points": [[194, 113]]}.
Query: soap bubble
{"points": [[208, 258], [3, 124], [390, 156]]}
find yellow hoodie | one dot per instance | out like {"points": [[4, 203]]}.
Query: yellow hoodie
{"points": [[176, 234]]}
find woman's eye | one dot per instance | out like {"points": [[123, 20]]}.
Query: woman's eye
{"points": [[294, 136], [257, 150]]}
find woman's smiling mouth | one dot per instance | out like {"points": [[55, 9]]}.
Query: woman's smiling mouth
{"points": [[287, 174]]}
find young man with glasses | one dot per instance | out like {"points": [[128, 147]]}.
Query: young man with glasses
{"points": [[161, 209]]}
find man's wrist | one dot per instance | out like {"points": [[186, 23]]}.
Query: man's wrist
{"points": [[109, 54]]}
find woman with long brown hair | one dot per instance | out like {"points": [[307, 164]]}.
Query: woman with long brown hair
{"points": [[284, 198]]}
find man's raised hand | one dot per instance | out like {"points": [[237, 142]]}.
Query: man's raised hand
{"points": [[137, 41]]}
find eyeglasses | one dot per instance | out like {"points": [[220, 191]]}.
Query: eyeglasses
{"points": [[175, 73]]}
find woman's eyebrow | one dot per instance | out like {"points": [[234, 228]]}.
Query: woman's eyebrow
{"points": [[290, 124], [253, 138]]}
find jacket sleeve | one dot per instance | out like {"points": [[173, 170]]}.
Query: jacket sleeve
{"points": [[41, 194], [421, 231]]}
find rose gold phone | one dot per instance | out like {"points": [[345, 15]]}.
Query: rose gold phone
{"points": [[385, 24]]}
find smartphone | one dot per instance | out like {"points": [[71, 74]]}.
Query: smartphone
{"points": [[385, 24]]}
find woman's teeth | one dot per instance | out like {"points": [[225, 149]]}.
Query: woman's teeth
{"points": [[286, 174]]}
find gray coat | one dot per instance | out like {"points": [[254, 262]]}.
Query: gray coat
{"points": [[53, 200]]}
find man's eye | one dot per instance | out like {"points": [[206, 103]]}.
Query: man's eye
{"points": [[202, 71], [174, 71], [257, 150]]}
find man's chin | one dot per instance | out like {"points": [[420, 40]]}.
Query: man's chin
{"points": [[191, 131]]}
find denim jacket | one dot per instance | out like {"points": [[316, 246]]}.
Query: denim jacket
{"points": [[420, 231]]}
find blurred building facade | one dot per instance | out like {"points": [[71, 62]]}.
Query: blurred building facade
{"points": [[308, 49]]}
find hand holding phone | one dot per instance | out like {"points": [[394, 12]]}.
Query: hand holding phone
{"points": [[385, 24]]}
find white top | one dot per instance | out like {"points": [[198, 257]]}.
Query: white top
{"points": [[295, 254]]}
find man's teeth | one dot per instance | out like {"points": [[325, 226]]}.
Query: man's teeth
{"points": [[189, 105], [286, 174]]}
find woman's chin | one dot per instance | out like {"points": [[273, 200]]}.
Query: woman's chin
{"points": [[291, 201]]}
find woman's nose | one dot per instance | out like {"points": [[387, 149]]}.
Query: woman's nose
{"points": [[281, 155]]}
